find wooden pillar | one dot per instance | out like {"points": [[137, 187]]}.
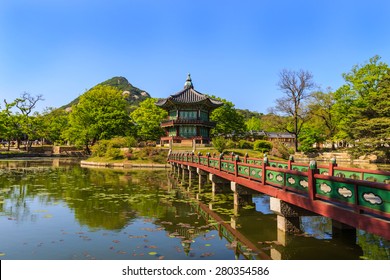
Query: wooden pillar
{"points": [[311, 180], [332, 165], [290, 162]]}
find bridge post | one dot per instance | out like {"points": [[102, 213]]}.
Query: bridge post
{"points": [[290, 162], [344, 232], [202, 178], [219, 185], [178, 170], [287, 216], [191, 175], [332, 165], [173, 167], [242, 195], [311, 180], [185, 173], [264, 168]]}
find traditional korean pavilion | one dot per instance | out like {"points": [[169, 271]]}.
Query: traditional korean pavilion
{"points": [[188, 116]]}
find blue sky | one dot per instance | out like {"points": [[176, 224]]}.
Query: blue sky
{"points": [[233, 49]]}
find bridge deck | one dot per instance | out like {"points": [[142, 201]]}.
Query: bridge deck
{"points": [[357, 197]]}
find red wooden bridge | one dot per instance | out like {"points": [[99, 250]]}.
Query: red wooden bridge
{"points": [[355, 197]]}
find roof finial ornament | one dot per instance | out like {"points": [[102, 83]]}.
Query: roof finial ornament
{"points": [[188, 83]]}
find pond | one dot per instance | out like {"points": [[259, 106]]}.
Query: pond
{"points": [[56, 210]]}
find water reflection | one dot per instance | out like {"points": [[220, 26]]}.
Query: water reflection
{"points": [[58, 210]]}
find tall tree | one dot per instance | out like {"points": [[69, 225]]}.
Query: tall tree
{"points": [[26, 104], [147, 118], [296, 86], [100, 114], [55, 122], [229, 121], [321, 110], [362, 105], [253, 123]]}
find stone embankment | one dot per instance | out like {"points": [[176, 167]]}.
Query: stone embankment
{"points": [[340, 157], [124, 165]]}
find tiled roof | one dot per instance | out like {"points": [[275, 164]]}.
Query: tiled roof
{"points": [[189, 96], [272, 134]]}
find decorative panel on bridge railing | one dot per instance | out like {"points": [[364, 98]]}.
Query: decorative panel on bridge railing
{"points": [[243, 169], [256, 173], [254, 161], [336, 190], [214, 163], [275, 177], [298, 182], [203, 161], [297, 167], [348, 174], [231, 167], [373, 177], [278, 164], [323, 170], [374, 198], [227, 166]]}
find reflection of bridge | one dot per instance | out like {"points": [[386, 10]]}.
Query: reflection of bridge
{"points": [[351, 197]]}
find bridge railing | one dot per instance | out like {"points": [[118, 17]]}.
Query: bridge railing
{"points": [[330, 169], [350, 187]]}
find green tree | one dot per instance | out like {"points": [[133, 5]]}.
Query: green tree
{"points": [[100, 114], [323, 119], [254, 124], [26, 104], [55, 122], [219, 143], [262, 146], [274, 122], [147, 118], [296, 86], [362, 106], [312, 133], [10, 128], [229, 122]]}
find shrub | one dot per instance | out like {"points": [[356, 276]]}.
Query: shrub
{"points": [[282, 151], [114, 153], [131, 142], [230, 144], [262, 146], [118, 142], [100, 148], [219, 143], [244, 144]]}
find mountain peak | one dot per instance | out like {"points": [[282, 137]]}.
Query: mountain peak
{"points": [[132, 94]]}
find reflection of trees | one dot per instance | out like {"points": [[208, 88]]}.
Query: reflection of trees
{"points": [[99, 198], [106, 198], [374, 247]]}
